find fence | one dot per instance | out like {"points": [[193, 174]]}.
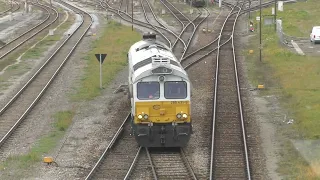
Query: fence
{"points": [[286, 39]]}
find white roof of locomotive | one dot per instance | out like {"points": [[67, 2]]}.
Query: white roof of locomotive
{"points": [[150, 48]]}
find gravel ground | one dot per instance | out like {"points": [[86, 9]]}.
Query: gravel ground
{"points": [[95, 121], [199, 147], [75, 153], [307, 47], [262, 114], [11, 29]]}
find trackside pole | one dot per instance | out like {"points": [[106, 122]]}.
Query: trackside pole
{"points": [[100, 58], [100, 71]]}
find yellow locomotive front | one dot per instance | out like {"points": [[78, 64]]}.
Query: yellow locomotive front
{"points": [[162, 115]]}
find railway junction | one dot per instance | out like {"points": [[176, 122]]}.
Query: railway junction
{"points": [[50, 113]]}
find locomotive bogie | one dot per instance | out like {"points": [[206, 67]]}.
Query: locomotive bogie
{"points": [[162, 135]]}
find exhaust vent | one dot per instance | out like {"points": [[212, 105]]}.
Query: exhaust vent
{"points": [[149, 36]]}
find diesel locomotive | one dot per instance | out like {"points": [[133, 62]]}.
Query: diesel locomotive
{"points": [[160, 91]]}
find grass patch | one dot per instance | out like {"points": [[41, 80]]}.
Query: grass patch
{"points": [[295, 78], [64, 119], [42, 46], [66, 25], [115, 41], [39, 48], [300, 169], [19, 163], [296, 75], [3, 6], [298, 18]]}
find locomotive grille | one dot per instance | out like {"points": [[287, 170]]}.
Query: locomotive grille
{"points": [[161, 70], [150, 60], [160, 60]]}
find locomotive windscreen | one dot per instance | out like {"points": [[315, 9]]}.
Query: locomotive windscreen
{"points": [[175, 90]]}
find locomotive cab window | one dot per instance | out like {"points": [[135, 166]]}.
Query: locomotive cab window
{"points": [[175, 90], [148, 90]]}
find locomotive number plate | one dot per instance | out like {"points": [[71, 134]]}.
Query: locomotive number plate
{"points": [[179, 102]]}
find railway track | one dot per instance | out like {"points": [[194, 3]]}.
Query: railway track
{"points": [[187, 29], [229, 154], [181, 18], [152, 19], [154, 157], [22, 103], [198, 54], [118, 155], [14, 6], [123, 159], [170, 163], [115, 161], [29, 35], [142, 160], [160, 26], [127, 17], [226, 162]]}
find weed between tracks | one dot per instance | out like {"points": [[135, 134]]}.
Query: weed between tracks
{"points": [[42, 46], [3, 6], [43, 146], [115, 42], [27, 61], [19, 163], [295, 79], [38, 50]]}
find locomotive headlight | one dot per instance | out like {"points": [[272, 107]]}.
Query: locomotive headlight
{"points": [[184, 116], [140, 116], [179, 115], [146, 116], [161, 78]]}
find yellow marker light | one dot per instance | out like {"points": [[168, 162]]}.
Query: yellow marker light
{"points": [[260, 86], [179, 116], [139, 116], [250, 51], [184, 116], [48, 160]]}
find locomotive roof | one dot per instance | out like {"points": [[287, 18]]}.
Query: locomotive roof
{"points": [[144, 51]]}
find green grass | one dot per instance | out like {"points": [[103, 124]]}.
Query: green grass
{"points": [[3, 6], [299, 18], [42, 46], [66, 25], [294, 166], [64, 119], [295, 78], [115, 41], [19, 163]]}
